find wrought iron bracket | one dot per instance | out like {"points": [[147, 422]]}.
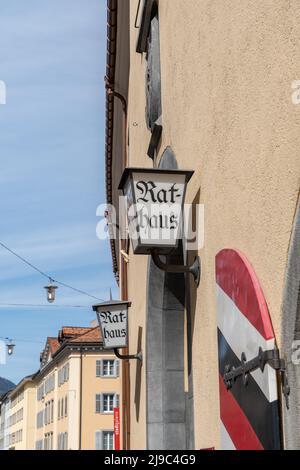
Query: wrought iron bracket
{"points": [[124, 357], [271, 357], [194, 269]]}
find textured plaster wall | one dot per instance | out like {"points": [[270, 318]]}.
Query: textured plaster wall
{"points": [[227, 69]]}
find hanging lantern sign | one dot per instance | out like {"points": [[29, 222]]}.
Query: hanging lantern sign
{"points": [[113, 321], [154, 203]]}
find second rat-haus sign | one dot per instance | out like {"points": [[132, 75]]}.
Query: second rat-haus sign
{"points": [[113, 320]]}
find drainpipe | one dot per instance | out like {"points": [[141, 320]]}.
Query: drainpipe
{"points": [[80, 403], [124, 281]]}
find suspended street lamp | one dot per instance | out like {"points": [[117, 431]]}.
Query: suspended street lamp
{"points": [[10, 347], [50, 291]]}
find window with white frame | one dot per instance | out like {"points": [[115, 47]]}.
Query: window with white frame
{"points": [[41, 392], [107, 368], [63, 374], [104, 440], [39, 445], [49, 384], [48, 441], [40, 419], [106, 402], [62, 441]]}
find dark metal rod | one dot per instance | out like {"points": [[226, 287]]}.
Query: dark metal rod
{"points": [[126, 357], [194, 269]]}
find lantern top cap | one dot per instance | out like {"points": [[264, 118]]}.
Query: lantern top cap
{"points": [[112, 303], [158, 171]]}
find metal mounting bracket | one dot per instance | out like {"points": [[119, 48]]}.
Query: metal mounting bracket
{"points": [[194, 269], [271, 357], [138, 356]]}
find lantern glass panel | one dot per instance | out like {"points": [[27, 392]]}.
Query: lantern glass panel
{"points": [[155, 201]]}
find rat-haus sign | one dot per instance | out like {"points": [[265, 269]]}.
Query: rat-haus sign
{"points": [[113, 320], [154, 203]]}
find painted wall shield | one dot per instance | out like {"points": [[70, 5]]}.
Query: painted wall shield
{"points": [[249, 413]]}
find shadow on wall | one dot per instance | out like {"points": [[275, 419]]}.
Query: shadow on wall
{"points": [[192, 291], [138, 377], [291, 337]]}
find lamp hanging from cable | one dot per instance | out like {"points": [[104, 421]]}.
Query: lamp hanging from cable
{"points": [[51, 291], [10, 346]]}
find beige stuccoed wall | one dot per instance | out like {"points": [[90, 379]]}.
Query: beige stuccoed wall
{"points": [[227, 69], [27, 424], [92, 385]]}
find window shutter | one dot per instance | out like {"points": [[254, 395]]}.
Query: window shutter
{"points": [[101, 403], [153, 76], [66, 441], [98, 440], [101, 369], [117, 368]]}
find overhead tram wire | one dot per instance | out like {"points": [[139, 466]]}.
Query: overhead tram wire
{"points": [[42, 273], [21, 340], [5, 305]]}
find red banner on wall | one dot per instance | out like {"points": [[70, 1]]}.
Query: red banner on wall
{"points": [[117, 428]]}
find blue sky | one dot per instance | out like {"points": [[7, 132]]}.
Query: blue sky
{"points": [[52, 59]]}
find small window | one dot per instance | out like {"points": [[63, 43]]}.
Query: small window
{"points": [[108, 440], [108, 368], [104, 440], [106, 402]]}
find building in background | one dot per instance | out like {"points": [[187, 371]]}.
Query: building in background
{"points": [[21, 420], [77, 389], [206, 86], [69, 403], [4, 420]]}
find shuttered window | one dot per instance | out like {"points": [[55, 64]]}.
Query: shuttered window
{"points": [[107, 368], [104, 440], [106, 402]]}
